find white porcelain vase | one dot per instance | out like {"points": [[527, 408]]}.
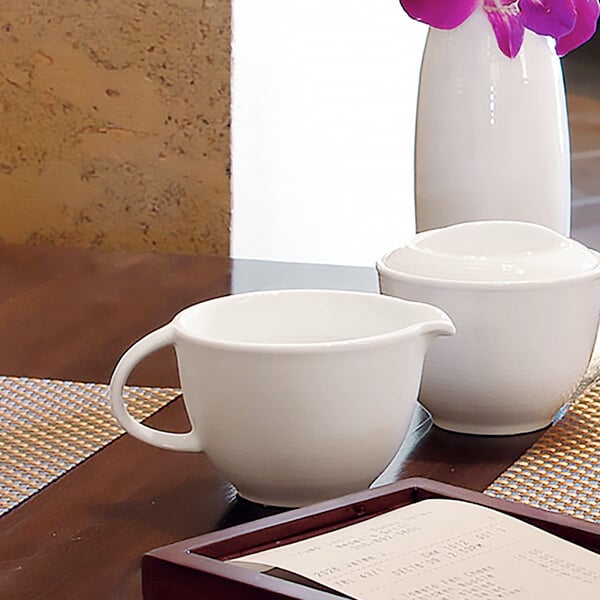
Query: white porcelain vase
{"points": [[492, 139]]}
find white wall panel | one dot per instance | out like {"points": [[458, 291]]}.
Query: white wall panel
{"points": [[323, 109]]}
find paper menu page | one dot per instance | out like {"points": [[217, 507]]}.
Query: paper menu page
{"points": [[441, 550]]}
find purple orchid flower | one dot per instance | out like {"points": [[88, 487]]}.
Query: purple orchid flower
{"points": [[440, 14], [570, 22], [588, 12], [507, 24]]}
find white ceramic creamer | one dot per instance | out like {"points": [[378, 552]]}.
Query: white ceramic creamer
{"points": [[295, 396]]}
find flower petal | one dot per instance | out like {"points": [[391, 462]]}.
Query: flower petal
{"points": [[441, 14], [585, 26], [549, 17], [508, 27]]}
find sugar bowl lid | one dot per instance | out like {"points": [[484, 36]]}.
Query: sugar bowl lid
{"points": [[492, 251]]}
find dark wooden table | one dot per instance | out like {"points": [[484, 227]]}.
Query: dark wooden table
{"points": [[69, 314]]}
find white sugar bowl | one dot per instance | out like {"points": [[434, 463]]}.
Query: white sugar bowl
{"points": [[526, 304]]}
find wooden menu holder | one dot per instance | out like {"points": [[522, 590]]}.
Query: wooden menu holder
{"points": [[195, 568]]}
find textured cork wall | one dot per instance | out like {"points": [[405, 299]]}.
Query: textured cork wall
{"points": [[114, 123]]}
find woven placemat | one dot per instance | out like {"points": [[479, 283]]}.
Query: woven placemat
{"points": [[48, 427], [561, 471]]}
